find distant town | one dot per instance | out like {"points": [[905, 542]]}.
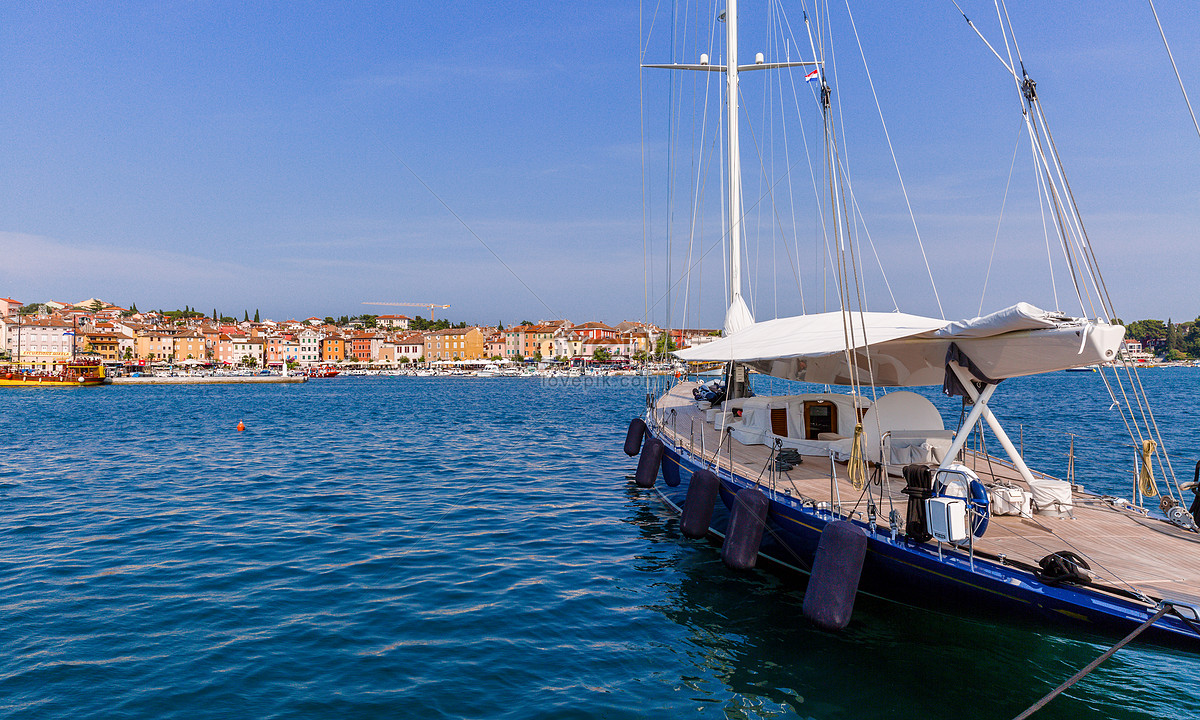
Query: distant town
{"points": [[48, 333]]}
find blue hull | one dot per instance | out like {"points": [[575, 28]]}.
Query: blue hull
{"points": [[917, 573]]}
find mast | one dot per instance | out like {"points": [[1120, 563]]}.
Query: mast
{"points": [[735, 159], [738, 315]]}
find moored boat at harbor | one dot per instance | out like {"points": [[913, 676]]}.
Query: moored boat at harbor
{"points": [[865, 488], [73, 373]]}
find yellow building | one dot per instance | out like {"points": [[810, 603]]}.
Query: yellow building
{"points": [[153, 344], [538, 340], [189, 345], [456, 344], [102, 343]]}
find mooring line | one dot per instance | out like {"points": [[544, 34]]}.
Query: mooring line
{"points": [[1094, 664]]}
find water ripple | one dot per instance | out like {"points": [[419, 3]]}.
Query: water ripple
{"points": [[433, 548]]}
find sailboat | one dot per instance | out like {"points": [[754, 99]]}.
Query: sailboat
{"points": [[858, 482]]}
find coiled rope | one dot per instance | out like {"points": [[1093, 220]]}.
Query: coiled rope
{"points": [[856, 470], [1146, 481]]}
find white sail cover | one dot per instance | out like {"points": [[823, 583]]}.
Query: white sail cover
{"points": [[895, 349], [737, 317]]}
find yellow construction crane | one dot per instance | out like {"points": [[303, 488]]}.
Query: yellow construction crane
{"points": [[431, 306]]}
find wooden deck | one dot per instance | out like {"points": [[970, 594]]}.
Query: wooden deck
{"points": [[1124, 548]]}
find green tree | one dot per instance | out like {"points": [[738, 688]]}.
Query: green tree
{"points": [[256, 315], [246, 318], [601, 355], [329, 320], [1173, 341], [525, 322], [1145, 331], [96, 306]]}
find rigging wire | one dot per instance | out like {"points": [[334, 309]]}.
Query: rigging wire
{"points": [[1087, 252], [699, 182], [784, 29], [645, 166], [1043, 196], [1175, 67], [1000, 220], [896, 163]]}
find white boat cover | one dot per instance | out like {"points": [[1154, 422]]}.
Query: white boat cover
{"points": [[737, 317], [896, 349]]}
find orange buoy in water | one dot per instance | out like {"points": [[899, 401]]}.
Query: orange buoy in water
{"points": [[241, 426]]}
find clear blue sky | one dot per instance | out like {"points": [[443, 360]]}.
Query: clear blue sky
{"points": [[243, 156]]}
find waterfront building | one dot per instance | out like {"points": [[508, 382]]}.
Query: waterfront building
{"points": [[495, 345], [455, 344], [102, 341], [1134, 351], [538, 340], [638, 341], [512, 341], [236, 349], [364, 346], [310, 346], [411, 346], [568, 344], [154, 343], [615, 348], [595, 330], [9, 307], [281, 349], [690, 337], [40, 341], [224, 350], [393, 322], [189, 344], [333, 349]]}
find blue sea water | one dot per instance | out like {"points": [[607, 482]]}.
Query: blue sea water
{"points": [[439, 548]]}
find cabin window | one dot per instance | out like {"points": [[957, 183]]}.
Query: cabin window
{"points": [[820, 416]]}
